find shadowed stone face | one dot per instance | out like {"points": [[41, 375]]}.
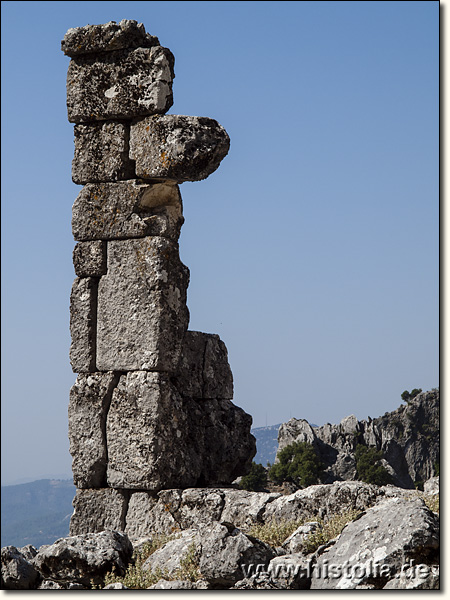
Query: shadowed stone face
{"points": [[127, 209], [177, 147]]}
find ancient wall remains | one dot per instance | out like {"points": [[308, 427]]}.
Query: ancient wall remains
{"points": [[151, 407]]}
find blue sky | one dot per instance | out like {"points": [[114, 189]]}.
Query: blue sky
{"points": [[313, 249]]}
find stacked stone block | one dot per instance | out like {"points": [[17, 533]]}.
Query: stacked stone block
{"points": [[151, 407]]}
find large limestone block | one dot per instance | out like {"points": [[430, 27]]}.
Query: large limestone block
{"points": [[142, 312], [146, 434], [122, 84], [101, 153], [83, 318], [147, 517], [203, 370], [372, 549], [98, 509], [89, 402], [85, 559], [127, 209], [158, 440], [107, 37], [89, 259], [177, 147]]}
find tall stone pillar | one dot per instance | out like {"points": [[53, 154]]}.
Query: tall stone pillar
{"points": [[151, 407]]}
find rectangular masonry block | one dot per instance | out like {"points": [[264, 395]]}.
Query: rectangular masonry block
{"points": [[146, 434], [158, 440], [106, 38], [127, 209], [142, 312], [101, 153], [89, 259], [203, 371], [83, 321], [98, 510], [90, 398], [122, 84]]}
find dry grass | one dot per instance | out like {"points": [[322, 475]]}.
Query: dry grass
{"points": [[274, 532]]}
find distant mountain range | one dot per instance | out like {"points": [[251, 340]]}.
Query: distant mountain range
{"points": [[36, 513], [266, 443]]}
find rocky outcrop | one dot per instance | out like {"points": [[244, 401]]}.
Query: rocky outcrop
{"points": [[346, 535], [151, 408], [408, 438]]}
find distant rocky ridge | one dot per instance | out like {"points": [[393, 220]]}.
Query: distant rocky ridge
{"points": [[408, 437]]}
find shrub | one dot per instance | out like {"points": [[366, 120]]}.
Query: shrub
{"points": [[407, 396], [329, 529], [256, 480], [368, 466], [298, 463], [274, 532]]}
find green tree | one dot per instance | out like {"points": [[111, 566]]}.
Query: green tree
{"points": [[256, 480], [298, 463], [415, 392], [368, 466], [405, 396]]}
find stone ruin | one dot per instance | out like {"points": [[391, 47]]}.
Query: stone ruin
{"points": [[151, 407]]}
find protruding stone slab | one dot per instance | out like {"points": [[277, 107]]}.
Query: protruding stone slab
{"points": [[89, 259], [157, 440], [177, 147], [204, 371], [120, 85], [107, 37], [90, 397], [127, 209], [83, 319], [101, 153], [142, 312], [98, 509]]}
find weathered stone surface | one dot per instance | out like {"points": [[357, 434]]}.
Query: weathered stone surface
{"points": [[203, 370], [107, 37], [116, 586], [146, 517], [158, 440], [295, 542], [323, 500], [168, 558], [142, 312], [18, 573], [146, 434], [85, 558], [89, 403], [416, 577], [170, 510], [431, 486], [127, 209], [408, 438], [220, 434], [101, 153], [177, 147], [376, 546], [83, 319], [98, 509], [225, 550], [48, 584], [122, 84], [164, 584], [89, 259], [290, 572]]}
